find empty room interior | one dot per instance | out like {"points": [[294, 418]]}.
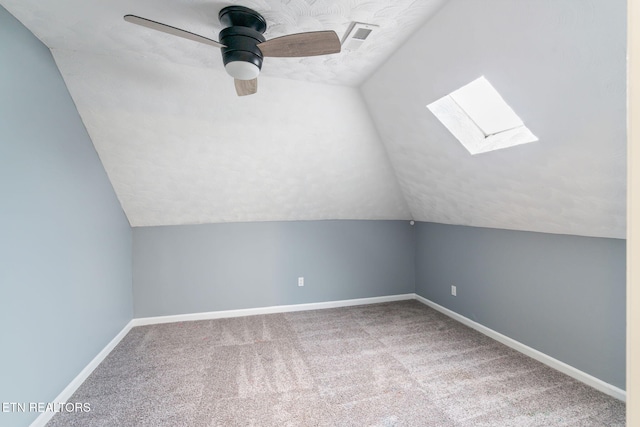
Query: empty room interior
{"points": [[417, 214]]}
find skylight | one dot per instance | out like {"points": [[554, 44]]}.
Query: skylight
{"points": [[480, 119]]}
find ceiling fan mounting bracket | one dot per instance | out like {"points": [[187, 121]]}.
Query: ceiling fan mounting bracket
{"points": [[240, 16]]}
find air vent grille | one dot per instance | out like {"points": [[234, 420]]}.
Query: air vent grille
{"points": [[357, 34]]}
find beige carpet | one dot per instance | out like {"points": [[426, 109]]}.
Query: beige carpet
{"points": [[392, 364]]}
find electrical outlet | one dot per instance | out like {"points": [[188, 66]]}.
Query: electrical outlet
{"points": [[300, 281], [454, 290]]}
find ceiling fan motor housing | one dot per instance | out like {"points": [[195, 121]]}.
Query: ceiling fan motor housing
{"points": [[241, 38]]}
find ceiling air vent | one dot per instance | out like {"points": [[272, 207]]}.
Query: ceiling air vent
{"points": [[356, 35]]}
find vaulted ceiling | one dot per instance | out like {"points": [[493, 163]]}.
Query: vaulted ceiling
{"points": [[348, 136]]}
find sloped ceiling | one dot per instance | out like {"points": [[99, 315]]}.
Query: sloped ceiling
{"points": [[348, 136], [561, 66]]}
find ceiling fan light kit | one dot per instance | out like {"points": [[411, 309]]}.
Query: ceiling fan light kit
{"points": [[241, 56], [244, 47]]}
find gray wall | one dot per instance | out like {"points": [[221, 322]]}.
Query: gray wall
{"points": [[562, 295], [199, 268], [65, 244]]}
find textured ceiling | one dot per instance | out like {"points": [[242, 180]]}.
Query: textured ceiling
{"points": [[181, 148], [182, 153], [98, 27], [349, 135]]}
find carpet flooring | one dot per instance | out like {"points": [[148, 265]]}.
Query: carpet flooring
{"points": [[391, 364]]}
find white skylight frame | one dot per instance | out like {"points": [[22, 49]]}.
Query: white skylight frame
{"points": [[480, 119]]}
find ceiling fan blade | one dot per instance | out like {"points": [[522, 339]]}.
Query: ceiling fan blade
{"points": [[246, 87], [302, 44], [170, 30]]}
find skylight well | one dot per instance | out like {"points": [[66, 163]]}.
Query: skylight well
{"points": [[480, 119]]}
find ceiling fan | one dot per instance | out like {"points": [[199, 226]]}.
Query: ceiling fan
{"points": [[243, 46]]}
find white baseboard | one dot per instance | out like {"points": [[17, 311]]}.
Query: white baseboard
{"points": [[68, 391], [268, 310], [590, 380], [45, 417], [579, 375]]}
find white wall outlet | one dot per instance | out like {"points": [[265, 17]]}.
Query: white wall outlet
{"points": [[454, 290], [300, 281]]}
